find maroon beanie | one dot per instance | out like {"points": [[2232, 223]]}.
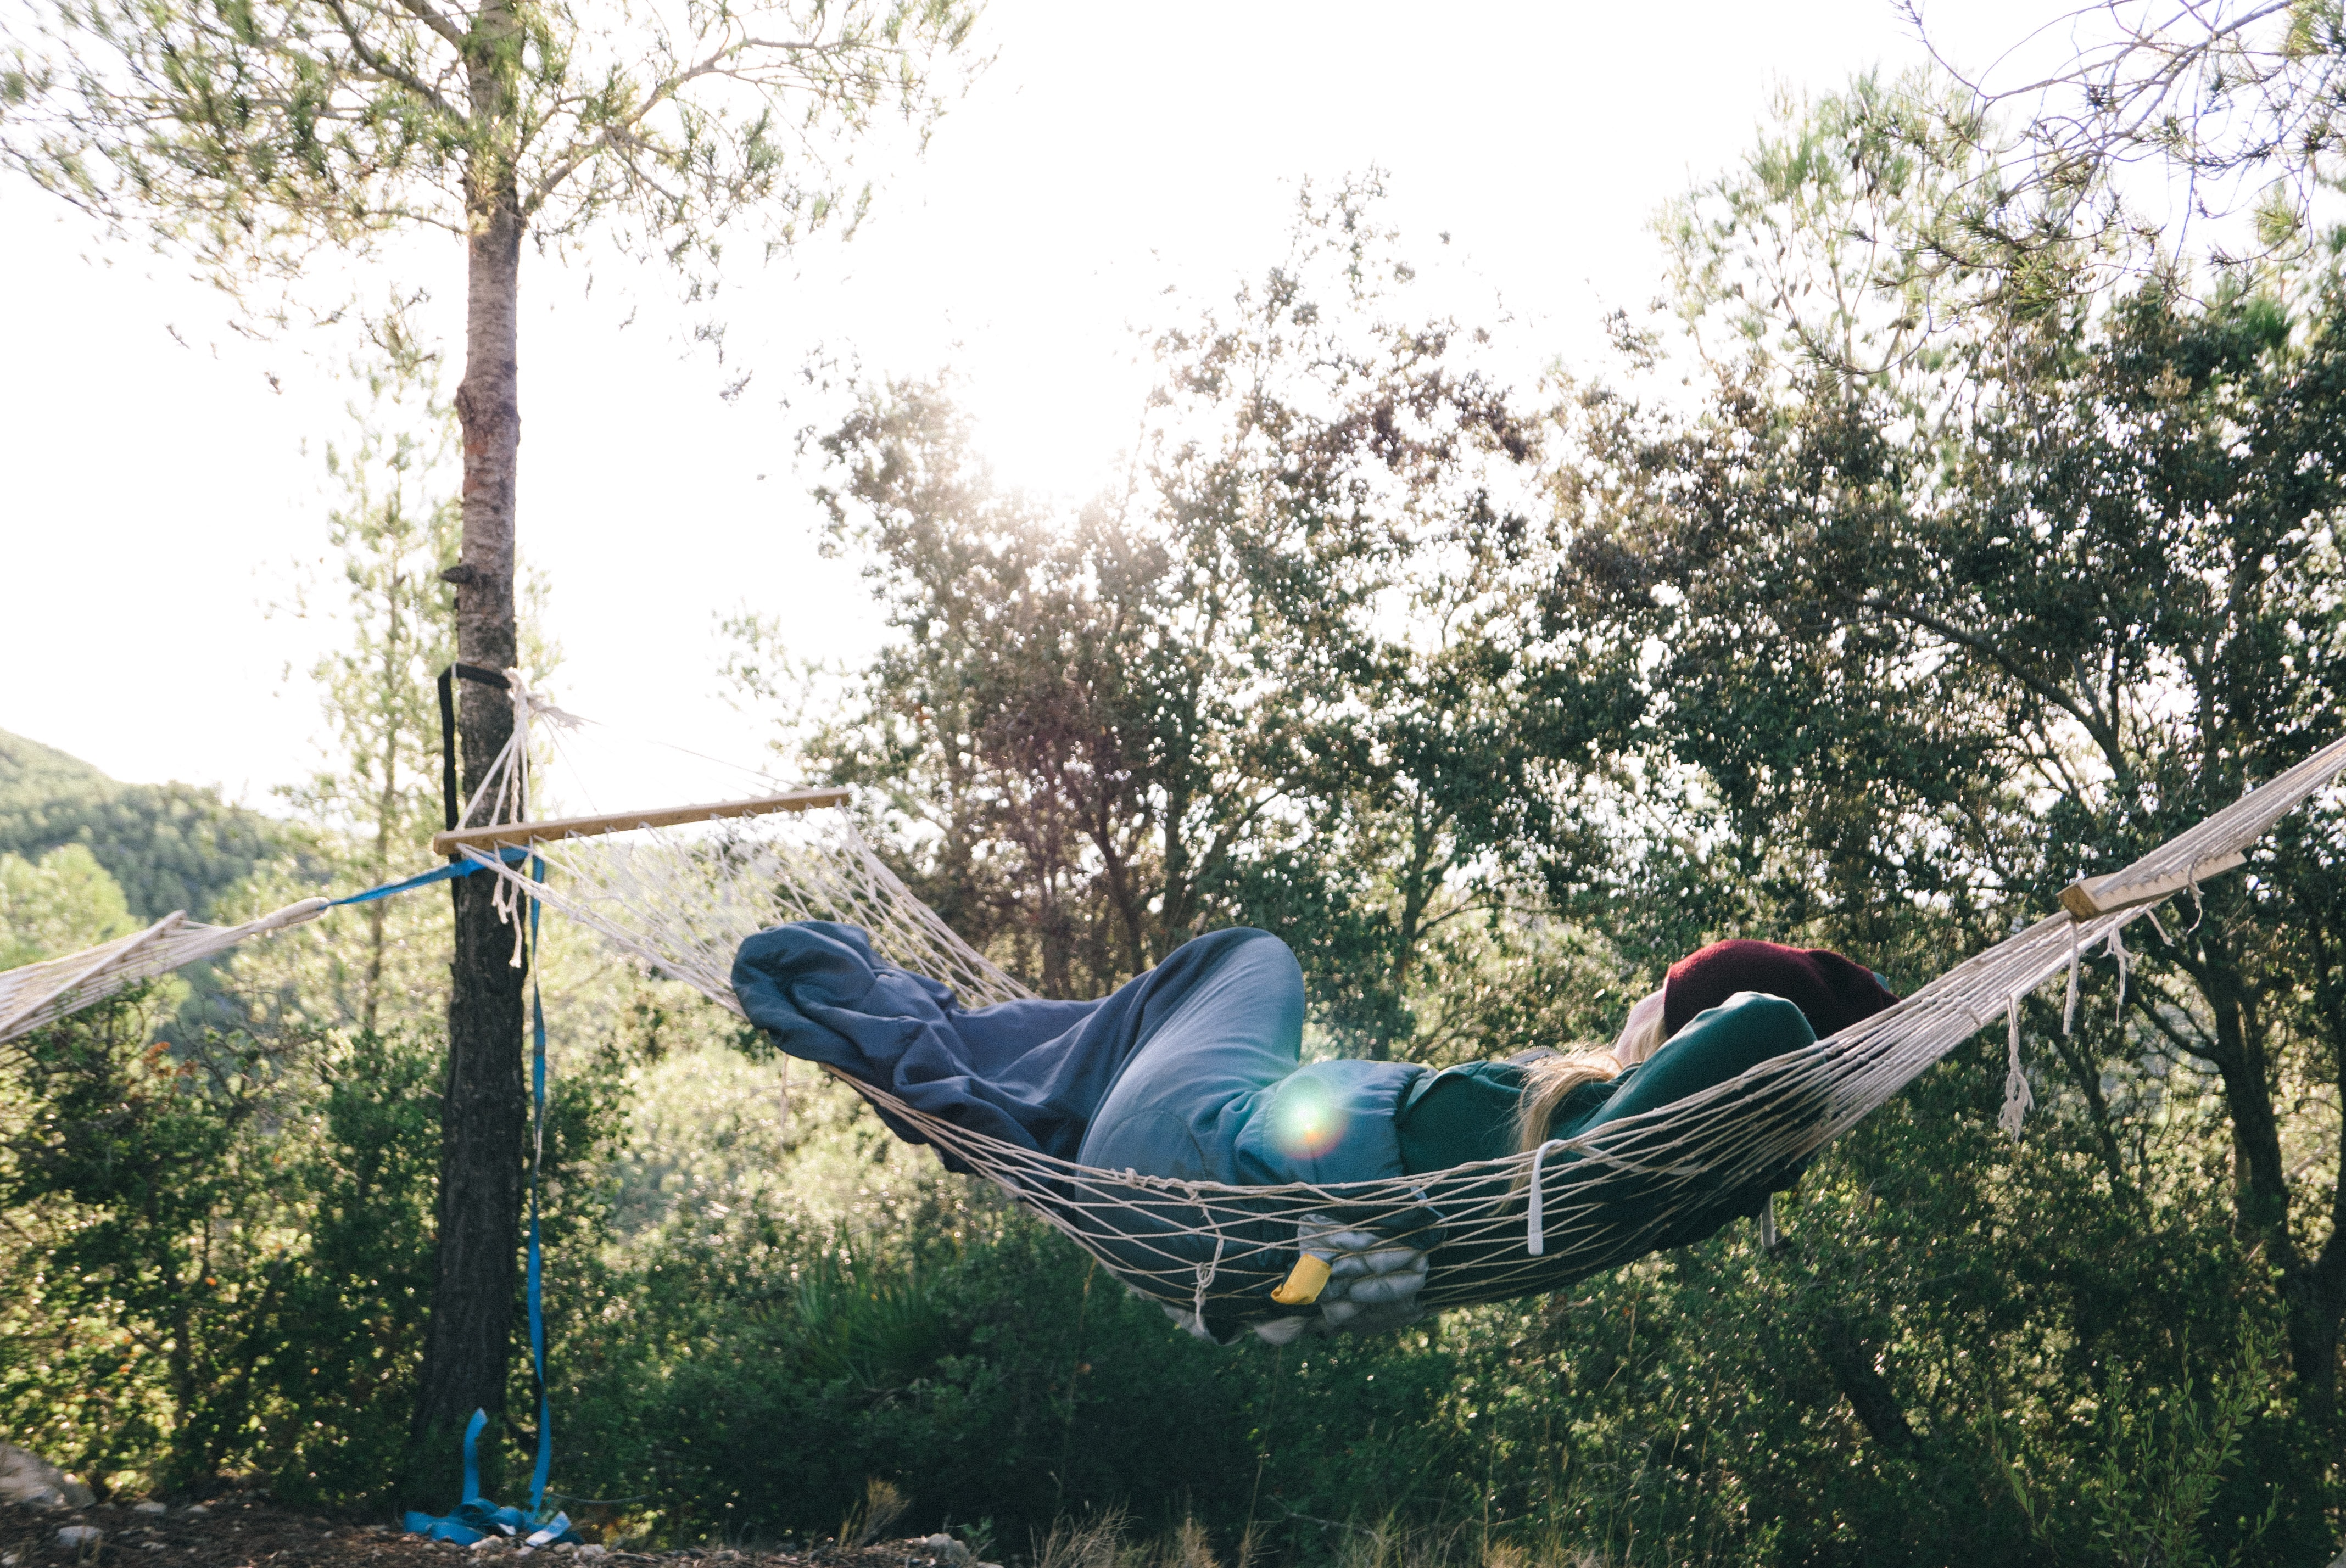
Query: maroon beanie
{"points": [[1831, 992]]}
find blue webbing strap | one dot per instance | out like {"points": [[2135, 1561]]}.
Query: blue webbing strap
{"points": [[537, 1158], [509, 855], [472, 1454], [476, 1516]]}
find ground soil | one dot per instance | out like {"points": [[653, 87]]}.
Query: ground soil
{"points": [[236, 1533]]}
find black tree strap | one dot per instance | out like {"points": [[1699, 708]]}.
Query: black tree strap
{"points": [[472, 672]]}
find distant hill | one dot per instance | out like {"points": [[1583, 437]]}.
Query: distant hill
{"points": [[171, 846]]}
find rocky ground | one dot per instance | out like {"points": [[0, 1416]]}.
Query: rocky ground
{"points": [[233, 1533]]}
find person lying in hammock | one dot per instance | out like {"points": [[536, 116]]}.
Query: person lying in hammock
{"points": [[1192, 1071]]}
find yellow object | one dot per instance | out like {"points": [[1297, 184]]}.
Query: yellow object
{"points": [[1303, 1282]]}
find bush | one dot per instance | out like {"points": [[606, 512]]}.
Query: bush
{"points": [[217, 1257], [1965, 1348]]}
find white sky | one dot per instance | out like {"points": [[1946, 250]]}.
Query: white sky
{"points": [[158, 497]]}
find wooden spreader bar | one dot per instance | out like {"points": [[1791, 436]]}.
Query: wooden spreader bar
{"points": [[2091, 896], [524, 833]]}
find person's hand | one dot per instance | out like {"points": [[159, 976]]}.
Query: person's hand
{"points": [[1373, 1281]]}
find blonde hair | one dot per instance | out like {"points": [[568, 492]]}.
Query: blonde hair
{"points": [[1641, 1036], [1547, 1082]]}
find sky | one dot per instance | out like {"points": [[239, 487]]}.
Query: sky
{"points": [[162, 497]]}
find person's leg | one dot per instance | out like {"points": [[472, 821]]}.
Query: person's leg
{"points": [[1211, 1091], [1213, 1040], [1719, 1044], [1232, 1025], [1011, 1071]]}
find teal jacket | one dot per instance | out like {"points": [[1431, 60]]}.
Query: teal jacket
{"points": [[1468, 1113]]}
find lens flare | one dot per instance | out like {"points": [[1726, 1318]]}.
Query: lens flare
{"points": [[1310, 1123]]}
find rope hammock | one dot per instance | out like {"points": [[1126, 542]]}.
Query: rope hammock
{"points": [[682, 896], [680, 889], [40, 993]]}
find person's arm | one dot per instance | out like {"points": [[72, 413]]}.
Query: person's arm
{"points": [[1722, 1043]]}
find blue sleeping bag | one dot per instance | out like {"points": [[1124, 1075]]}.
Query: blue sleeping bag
{"points": [[1188, 1070]]}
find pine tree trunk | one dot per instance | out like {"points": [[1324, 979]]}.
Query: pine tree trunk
{"points": [[483, 1114]]}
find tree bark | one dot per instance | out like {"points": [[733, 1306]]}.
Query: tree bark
{"points": [[483, 1111], [386, 805], [1869, 1394]]}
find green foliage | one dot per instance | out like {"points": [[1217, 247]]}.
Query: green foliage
{"points": [[1965, 1341], [769, 1367], [2237, 104], [250, 135], [158, 1230], [122, 1150], [1879, 664], [962, 1375], [1860, 230], [226, 1246], [166, 846], [1267, 681], [219, 1255], [60, 904], [375, 804], [393, 533], [875, 1330], [1874, 661], [343, 1328], [1963, 666], [1964, 1347]]}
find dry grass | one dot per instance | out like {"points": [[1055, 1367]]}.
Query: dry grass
{"points": [[1107, 1540], [883, 1505]]}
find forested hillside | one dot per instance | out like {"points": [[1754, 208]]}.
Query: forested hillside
{"points": [[170, 846]]}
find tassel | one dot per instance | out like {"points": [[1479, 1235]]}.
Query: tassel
{"points": [[1535, 1228], [2017, 1097], [2069, 1002], [2118, 952]]}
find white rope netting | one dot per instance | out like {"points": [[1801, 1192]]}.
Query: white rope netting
{"points": [[41, 994], [683, 898]]}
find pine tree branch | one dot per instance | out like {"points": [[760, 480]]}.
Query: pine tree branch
{"points": [[374, 61], [618, 136], [449, 32]]}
